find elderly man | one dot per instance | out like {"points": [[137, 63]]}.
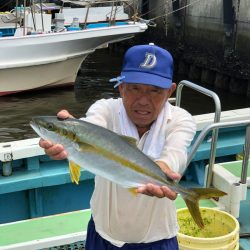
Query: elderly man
{"points": [[120, 220]]}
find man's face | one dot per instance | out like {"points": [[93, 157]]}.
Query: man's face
{"points": [[143, 102]]}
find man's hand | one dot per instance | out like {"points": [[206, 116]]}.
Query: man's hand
{"points": [[161, 191], [64, 114], [55, 151]]}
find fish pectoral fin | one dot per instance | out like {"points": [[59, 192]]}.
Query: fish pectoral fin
{"points": [[133, 191], [75, 172], [129, 139]]}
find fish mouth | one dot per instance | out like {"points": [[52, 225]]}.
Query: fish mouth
{"points": [[34, 123], [35, 126]]}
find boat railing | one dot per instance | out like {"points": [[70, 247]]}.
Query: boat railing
{"points": [[110, 16], [116, 7], [217, 115], [217, 126]]}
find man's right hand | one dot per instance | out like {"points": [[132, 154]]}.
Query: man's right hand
{"points": [[55, 151]]}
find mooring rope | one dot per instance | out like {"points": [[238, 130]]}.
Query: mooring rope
{"points": [[171, 12]]}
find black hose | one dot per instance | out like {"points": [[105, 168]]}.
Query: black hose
{"points": [[245, 235]]}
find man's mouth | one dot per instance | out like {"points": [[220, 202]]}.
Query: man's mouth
{"points": [[142, 112]]}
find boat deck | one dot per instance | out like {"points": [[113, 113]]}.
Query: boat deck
{"points": [[56, 230], [68, 230], [45, 232], [42, 187], [234, 168], [245, 223]]}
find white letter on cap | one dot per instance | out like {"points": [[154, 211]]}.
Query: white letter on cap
{"points": [[149, 62]]}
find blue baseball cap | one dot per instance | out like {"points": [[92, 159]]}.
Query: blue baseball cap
{"points": [[147, 64]]}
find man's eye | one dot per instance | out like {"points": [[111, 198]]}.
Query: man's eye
{"points": [[155, 91], [133, 88]]}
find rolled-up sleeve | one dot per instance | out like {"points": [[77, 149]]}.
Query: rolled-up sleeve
{"points": [[179, 135]]}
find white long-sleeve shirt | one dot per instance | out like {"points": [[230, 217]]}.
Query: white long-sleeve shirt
{"points": [[121, 217]]}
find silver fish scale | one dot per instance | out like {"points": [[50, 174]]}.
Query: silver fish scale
{"points": [[136, 170]]}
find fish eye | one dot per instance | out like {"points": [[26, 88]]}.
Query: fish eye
{"points": [[50, 126]]}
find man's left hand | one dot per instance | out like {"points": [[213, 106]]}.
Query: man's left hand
{"points": [[161, 191]]}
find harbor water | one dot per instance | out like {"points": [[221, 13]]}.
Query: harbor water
{"points": [[92, 84]]}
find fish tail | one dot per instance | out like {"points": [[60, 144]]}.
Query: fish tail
{"points": [[75, 172], [192, 201]]}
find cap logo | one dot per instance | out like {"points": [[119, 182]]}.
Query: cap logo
{"points": [[149, 62]]}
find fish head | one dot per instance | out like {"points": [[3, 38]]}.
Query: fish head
{"points": [[52, 128]]}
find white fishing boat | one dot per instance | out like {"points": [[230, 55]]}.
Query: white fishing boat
{"points": [[47, 57]]}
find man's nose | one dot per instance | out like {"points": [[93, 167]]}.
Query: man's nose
{"points": [[143, 99]]}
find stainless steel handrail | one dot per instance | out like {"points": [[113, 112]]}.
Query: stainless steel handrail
{"points": [[217, 114], [217, 126], [112, 13], [246, 151]]}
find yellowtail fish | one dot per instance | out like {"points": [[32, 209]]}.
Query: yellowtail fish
{"points": [[113, 157]]}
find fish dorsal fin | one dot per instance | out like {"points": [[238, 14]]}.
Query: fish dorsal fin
{"points": [[131, 140], [75, 172]]}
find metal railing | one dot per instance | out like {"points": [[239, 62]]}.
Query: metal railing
{"points": [[111, 16], [217, 126], [217, 115]]}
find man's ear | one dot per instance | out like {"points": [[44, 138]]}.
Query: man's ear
{"points": [[172, 89], [120, 88]]}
